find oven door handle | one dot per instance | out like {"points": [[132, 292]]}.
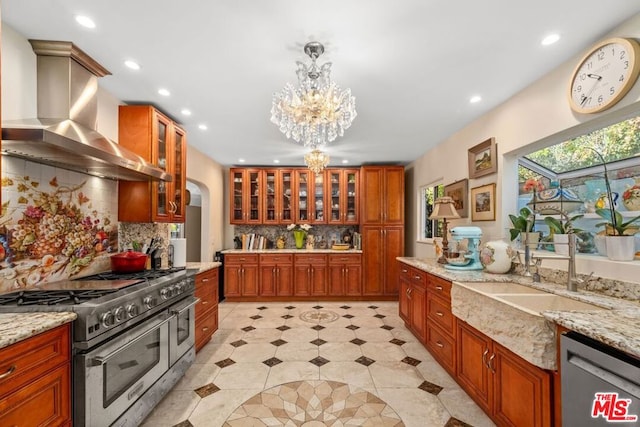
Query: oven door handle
{"points": [[100, 360], [190, 302]]}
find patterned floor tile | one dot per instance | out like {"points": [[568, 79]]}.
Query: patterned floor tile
{"points": [[283, 328], [357, 341], [287, 316], [365, 361], [318, 342], [380, 316], [349, 316], [207, 390], [319, 361], [454, 422], [352, 327], [224, 363], [185, 423], [430, 388], [318, 327], [373, 307], [411, 361], [397, 341], [290, 307], [278, 343], [317, 307], [262, 308], [256, 317], [248, 328], [272, 362], [345, 307], [238, 343]]}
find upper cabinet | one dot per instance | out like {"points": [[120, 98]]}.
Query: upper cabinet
{"points": [[153, 136], [278, 197], [383, 187], [247, 191], [343, 195]]}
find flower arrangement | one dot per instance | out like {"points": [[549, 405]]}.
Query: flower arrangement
{"points": [[299, 233], [533, 185], [299, 227]]}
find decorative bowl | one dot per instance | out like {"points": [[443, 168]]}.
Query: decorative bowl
{"points": [[457, 258]]}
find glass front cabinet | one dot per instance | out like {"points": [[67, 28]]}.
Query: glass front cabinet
{"points": [[343, 196], [246, 206], [278, 199]]}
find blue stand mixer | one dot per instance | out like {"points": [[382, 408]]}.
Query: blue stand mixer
{"points": [[472, 234]]}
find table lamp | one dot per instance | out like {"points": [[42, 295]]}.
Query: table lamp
{"points": [[444, 208]]}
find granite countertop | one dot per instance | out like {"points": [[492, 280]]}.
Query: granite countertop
{"points": [[203, 266], [619, 326], [293, 251], [16, 327]]}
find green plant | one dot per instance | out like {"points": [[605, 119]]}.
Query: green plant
{"points": [[557, 226], [615, 224], [523, 223]]}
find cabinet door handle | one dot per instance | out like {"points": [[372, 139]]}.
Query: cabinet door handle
{"points": [[205, 280], [417, 277], [439, 344], [205, 302], [205, 329], [439, 313], [404, 270], [490, 364], [8, 372], [438, 288], [484, 357]]}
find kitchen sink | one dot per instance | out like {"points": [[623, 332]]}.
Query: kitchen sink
{"points": [[539, 303], [502, 288]]}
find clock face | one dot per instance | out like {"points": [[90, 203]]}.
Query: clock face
{"points": [[604, 75]]}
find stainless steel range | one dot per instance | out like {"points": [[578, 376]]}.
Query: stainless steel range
{"points": [[133, 339]]}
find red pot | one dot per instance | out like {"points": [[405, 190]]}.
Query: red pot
{"points": [[128, 262]]}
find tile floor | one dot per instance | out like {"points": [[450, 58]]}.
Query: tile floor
{"points": [[275, 364]]}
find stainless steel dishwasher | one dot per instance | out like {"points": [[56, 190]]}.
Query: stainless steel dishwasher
{"points": [[600, 385]]}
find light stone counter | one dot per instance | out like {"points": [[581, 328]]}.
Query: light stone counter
{"points": [[293, 251], [16, 327], [203, 266], [617, 326]]}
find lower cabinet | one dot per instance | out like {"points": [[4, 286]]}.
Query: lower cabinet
{"points": [[511, 390], [412, 300], [241, 275], [207, 307], [345, 275], [310, 275], [276, 275], [35, 380]]}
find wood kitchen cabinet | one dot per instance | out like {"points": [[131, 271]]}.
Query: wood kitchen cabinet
{"points": [[381, 245], [207, 307], [310, 275], [382, 188], [278, 198], [276, 275], [35, 380], [343, 190], [440, 334], [247, 195], [345, 274], [310, 197], [511, 390], [412, 300], [158, 140], [241, 275]]}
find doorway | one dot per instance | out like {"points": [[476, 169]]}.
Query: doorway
{"points": [[193, 222]]}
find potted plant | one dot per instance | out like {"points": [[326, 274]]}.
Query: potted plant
{"points": [[560, 232], [299, 233], [523, 223], [619, 234]]}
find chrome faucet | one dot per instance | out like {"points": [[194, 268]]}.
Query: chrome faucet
{"points": [[534, 259]]}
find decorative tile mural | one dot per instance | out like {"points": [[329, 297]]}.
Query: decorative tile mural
{"points": [[55, 224]]}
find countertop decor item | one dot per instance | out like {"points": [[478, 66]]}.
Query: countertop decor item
{"points": [[299, 233], [496, 256], [631, 197], [604, 75], [317, 111], [128, 262], [444, 208]]}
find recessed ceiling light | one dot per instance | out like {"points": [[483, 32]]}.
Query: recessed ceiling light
{"points": [[550, 39], [276, 161], [186, 112], [164, 92], [241, 160], [85, 21], [475, 98], [132, 64], [202, 127], [345, 161]]}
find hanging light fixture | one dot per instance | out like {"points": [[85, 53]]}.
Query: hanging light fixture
{"points": [[317, 111], [316, 161]]}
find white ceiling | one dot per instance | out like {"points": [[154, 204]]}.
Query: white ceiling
{"points": [[411, 64]]}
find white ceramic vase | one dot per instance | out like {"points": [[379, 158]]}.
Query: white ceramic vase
{"points": [[561, 243], [496, 256], [621, 248]]}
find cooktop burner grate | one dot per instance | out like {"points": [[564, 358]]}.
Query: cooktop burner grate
{"points": [[51, 297], [146, 274]]}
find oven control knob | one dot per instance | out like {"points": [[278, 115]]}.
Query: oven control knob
{"points": [[107, 319], [119, 314], [132, 310], [165, 293], [149, 302]]}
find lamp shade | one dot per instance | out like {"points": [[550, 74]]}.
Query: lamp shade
{"points": [[444, 208]]}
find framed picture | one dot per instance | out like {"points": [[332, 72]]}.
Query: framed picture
{"points": [[483, 203], [483, 159], [459, 192]]}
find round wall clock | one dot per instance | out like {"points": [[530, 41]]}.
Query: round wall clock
{"points": [[604, 75]]}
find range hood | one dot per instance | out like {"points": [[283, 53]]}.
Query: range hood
{"points": [[63, 135]]}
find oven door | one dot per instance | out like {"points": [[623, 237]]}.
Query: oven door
{"points": [[111, 377], [182, 328]]}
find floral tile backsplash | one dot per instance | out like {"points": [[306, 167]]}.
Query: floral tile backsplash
{"points": [[55, 224]]}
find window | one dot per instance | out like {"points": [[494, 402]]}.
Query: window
{"points": [[429, 228]]}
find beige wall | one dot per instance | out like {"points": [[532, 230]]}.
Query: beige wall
{"points": [[536, 117]]}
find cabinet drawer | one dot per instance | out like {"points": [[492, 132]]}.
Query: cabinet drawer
{"points": [[405, 272], [335, 259], [439, 286], [208, 300], [31, 358], [439, 311], [43, 402], [311, 259], [441, 347], [237, 259], [206, 326], [207, 277], [276, 259]]}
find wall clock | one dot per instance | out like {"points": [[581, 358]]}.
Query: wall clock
{"points": [[604, 75]]}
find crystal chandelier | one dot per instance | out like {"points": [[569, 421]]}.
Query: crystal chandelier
{"points": [[317, 111], [316, 161]]}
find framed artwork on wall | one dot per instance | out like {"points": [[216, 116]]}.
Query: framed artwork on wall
{"points": [[459, 192], [483, 203], [483, 159]]}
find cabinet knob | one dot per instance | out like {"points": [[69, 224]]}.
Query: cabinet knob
{"points": [[439, 313], [205, 280], [439, 344], [205, 329], [439, 288]]}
